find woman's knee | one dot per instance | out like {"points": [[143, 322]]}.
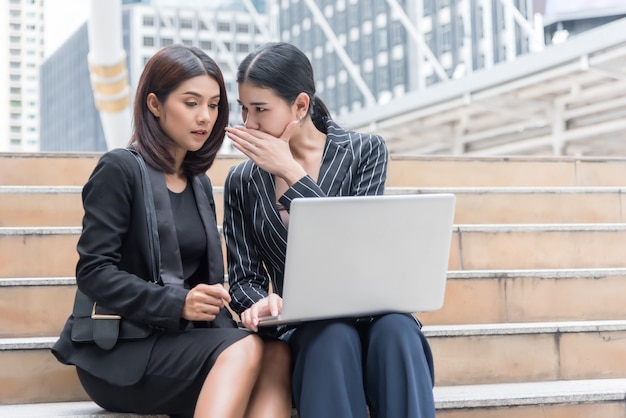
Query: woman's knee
{"points": [[249, 350], [395, 326]]}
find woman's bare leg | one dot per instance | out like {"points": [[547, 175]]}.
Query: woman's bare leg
{"points": [[271, 396], [226, 390]]}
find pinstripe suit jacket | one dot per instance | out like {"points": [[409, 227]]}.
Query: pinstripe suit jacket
{"points": [[256, 238]]}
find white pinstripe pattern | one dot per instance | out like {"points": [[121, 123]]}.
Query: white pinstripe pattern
{"points": [[256, 238]]}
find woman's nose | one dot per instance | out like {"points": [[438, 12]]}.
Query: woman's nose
{"points": [[250, 123], [204, 116]]}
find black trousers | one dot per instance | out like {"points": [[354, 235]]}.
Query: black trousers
{"points": [[343, 366]]}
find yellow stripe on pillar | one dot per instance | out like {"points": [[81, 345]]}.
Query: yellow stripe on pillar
{"points": [[113, 106]]}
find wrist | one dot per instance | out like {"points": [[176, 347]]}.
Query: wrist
{"points": [[293, 175]]}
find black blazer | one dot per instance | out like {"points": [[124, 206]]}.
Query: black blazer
{"points": [[256, 238], [114, 268]]}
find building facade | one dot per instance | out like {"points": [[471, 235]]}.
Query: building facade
{"points": [[227, 34], [69, 118], [21, 30], [366, 51]]}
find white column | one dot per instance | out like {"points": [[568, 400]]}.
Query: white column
{"points": [[107, 67]]}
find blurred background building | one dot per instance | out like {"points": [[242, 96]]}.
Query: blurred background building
{"points": [[384, 66], [21, 54], [373, 51], [566, 18], [226, 30]]}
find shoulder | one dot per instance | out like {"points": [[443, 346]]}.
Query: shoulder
{"points": [[241, 172], [120, 159], [115, 167]]}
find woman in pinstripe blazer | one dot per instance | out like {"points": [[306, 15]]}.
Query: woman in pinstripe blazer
{"points": [[340, 367]]}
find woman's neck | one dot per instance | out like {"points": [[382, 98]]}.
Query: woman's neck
{"points": [[309, 142], [177, 181]]}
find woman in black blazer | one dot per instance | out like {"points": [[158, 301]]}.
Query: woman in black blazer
{"points": [[342, 366], [196, 361]]}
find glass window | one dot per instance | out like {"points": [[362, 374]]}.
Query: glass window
{"points": [[148, 41], [148, 21], [446, 38]]}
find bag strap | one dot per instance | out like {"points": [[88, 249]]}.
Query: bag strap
{"points": [[153, 232]]}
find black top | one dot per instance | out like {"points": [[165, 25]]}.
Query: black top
{"points": [[191, 235]]}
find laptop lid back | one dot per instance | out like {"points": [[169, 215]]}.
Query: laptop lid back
{"points": [[364, 255]]}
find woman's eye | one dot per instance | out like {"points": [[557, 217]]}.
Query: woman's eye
{"points": [[191, 104], [214, 105], [260, 109]]}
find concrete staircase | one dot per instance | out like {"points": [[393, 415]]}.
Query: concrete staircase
{"points": [[534, 320]]}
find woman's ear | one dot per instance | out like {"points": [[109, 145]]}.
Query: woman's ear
{"points": [[302, 103], [154, 106]]}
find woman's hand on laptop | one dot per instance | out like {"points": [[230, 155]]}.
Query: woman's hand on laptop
{"points": [[271, 305]]}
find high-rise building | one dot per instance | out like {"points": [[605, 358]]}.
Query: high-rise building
{"points": [[21, 29], [226, 33], [371, 51]]}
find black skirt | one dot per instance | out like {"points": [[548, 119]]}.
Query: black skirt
{"points": [[178, 366]]}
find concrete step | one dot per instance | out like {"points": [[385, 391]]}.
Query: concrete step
{"points": [[73, 169], [593, 398], [38, 252], [46, 169], [29, 373], [537, 246], [29, 206], [464, 354], [444, 171], [527, 352], [45, 252], [528, 205], [554, 399], [40, 206], [505, 296], [37, 307]]}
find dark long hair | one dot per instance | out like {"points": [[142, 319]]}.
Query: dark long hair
{"points": [[163, 73], [287, 71]]}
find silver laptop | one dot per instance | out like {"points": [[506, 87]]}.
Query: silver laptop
{"points": [[365, 255]]}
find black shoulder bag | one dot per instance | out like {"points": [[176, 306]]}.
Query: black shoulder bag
{"points": [[94, 323]]}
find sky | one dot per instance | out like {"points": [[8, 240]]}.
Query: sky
{"points": [[61, 19]]}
